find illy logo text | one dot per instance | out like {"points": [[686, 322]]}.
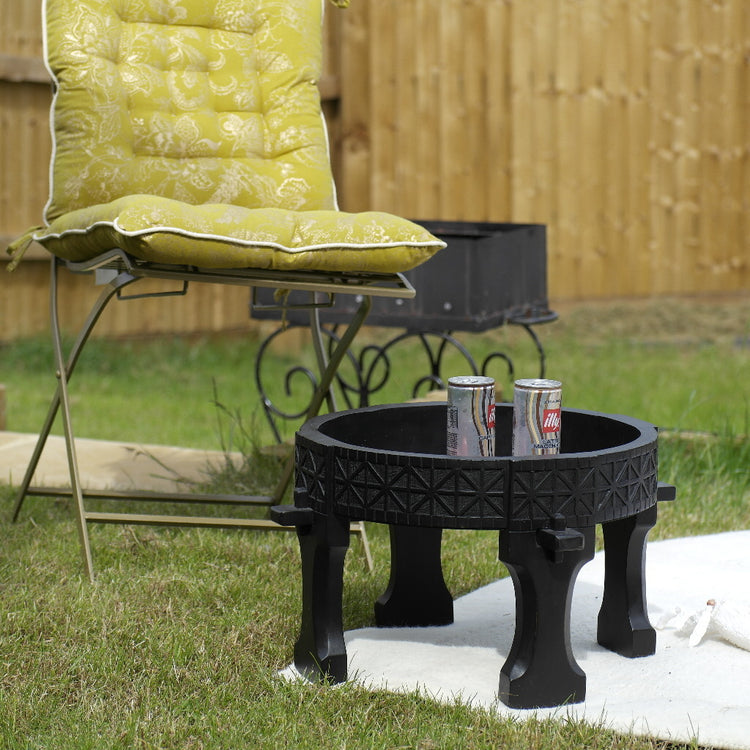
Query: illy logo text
{"points": [[551, 420]]}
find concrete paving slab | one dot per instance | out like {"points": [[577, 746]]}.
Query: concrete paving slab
{"points": [[106, 465]]}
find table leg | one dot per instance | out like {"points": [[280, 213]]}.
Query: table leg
{"points": [[320, 651], [624, 626], [416, 595], [540, 669]]}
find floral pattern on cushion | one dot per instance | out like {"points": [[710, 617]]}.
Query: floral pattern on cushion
{"points": [[190, 132], [224, 236]]}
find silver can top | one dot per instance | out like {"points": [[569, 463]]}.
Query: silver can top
{"points": [[470, 381], [539, 384]]}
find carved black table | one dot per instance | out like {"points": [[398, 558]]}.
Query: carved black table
{"points": [[387, 464]]}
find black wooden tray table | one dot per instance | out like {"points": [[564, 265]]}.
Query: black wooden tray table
{"points": [[387, 464]]}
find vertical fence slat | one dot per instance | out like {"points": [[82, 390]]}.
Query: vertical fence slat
{"points": [[571, 146], [383, 72], [614, 139], [686, 133], [713, 153], [497, 102], [476, 165], [356, 125], [452, 142], [636, 246], [424, 183], [729, 50], [406, 130], [521, 70], [663, 83], [588, 269]]}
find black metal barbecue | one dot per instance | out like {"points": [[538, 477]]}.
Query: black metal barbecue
{"points": [[489, 275]]}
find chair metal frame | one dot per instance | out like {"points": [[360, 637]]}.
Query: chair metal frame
{"points": [[117, 270]]}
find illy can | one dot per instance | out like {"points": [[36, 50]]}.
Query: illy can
{"points": [[471, 416], [536, 417]]}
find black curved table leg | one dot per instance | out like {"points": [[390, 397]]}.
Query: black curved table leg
{"points": [[623, 624], [320, 651], [416, 595], [540, 669]]}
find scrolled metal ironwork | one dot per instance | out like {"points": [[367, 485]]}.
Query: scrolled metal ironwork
{"points": [[369, 371]]}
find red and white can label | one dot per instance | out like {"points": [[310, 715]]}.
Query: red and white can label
{"points": [[551, 421], [537, 419]]}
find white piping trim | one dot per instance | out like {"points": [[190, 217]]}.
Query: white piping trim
{"points": [[235, 240], [45, 55], [322, 116]]}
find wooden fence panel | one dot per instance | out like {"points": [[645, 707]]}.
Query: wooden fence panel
{"points": [[25, 97], [622, 125]]}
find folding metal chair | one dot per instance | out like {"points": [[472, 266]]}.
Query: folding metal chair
{"points": [[189, 145]]}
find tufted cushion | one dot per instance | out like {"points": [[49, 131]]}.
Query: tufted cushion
{"points": [[223, 236], [201, 120]]}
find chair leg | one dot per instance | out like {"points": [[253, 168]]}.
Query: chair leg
{"points": [[61, 402], [75, 352], [75, 480], [358, 527], [326, 379], [320, 353], [64, 372], [36, 455], [329, 367], [337, 356]]}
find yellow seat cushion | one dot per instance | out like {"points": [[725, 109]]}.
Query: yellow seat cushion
{"points": [[190, 131], [224, 236]]}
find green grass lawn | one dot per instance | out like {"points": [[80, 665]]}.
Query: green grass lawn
{"points": [[177, 643]]}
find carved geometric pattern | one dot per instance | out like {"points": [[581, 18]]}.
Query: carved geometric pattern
{"points": [[309, 461], [518, 494], [584, 491], [429, 493]]}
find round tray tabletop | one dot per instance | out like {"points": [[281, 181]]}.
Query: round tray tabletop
{"points": [[388, 464]]}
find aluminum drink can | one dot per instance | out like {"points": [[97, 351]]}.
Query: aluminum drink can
{"points": [[471, 416], [536, 417]]}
